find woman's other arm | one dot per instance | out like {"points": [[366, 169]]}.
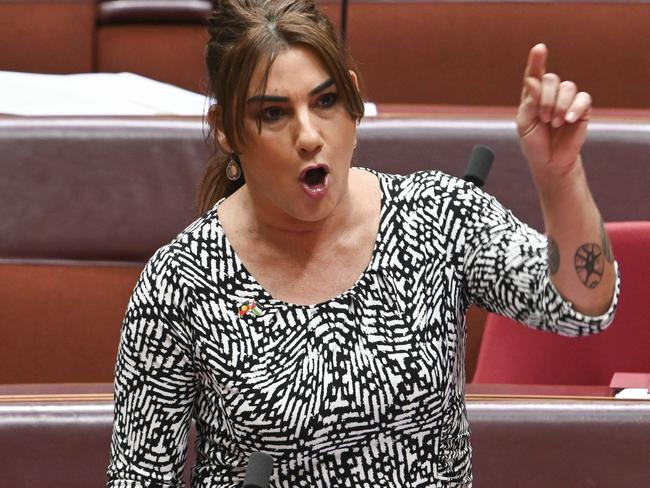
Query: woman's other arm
{"points": [[154, 383], [552, 124]]}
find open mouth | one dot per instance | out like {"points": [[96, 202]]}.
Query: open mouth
{"points": [[315, 176], [314, 181]]}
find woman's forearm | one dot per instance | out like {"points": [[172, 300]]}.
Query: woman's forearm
{"points": [[581, 263]]}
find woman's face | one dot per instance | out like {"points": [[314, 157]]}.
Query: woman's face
{"points": [[298, 164]]}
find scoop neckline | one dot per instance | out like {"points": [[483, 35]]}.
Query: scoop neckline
{"points": [[267, 299]]}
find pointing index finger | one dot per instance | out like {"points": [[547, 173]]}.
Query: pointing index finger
{"points": [[536, 66]]}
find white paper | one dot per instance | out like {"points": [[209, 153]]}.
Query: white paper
{"points": [[92, 94], [633, 394], [370, 109], [97, 94]]}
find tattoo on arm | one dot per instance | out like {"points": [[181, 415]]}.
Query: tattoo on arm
{"points": [[607, 246], [590, 264], [553, 255]]}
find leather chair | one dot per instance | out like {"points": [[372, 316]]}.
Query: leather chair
{"points": [[159, 39], [85, 205], [512, 353], [60, 320]]}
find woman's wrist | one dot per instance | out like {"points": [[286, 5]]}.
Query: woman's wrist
{"points": [[562, 188]]}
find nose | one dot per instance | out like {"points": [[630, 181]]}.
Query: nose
{"points": [[309, 138]]}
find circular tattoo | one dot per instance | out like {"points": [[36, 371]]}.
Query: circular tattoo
{"points": [[607, 246], [553, 255], [590, 264]]}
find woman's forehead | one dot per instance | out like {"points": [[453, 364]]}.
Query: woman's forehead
{"points": [[296, 70]]}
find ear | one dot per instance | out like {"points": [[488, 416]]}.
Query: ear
{"points": [[355, 79], [214, 117]]}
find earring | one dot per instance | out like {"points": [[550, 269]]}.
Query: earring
{"points": [[233, 170]]}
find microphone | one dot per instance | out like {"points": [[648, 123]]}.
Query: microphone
{"points": [[478, 167], [344, 20], [258, 471]]}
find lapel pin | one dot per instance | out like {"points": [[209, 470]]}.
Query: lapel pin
{"points": [[250, 307]]}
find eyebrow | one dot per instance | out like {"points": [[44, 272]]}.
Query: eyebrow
{"points": [[270, 98]]}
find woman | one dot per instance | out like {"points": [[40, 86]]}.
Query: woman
{"points": [[317, 312]]}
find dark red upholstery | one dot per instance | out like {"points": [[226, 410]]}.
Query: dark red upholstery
{"points": [[117, 188], [511, 353], [425, 51], [60, 320], [169, 53], [474, 52], [160, 39], [47, 36], [153, 12]]}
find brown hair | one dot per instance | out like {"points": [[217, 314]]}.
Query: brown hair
{"points": [[243, 32]]}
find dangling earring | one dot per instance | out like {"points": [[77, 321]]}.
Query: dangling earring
{"points": [[233, 170]]}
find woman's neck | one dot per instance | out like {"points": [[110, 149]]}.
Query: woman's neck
{"points": [[269, 224]]}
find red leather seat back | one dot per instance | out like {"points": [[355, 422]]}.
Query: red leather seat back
{"points": [[51, 36], [60, 320]]}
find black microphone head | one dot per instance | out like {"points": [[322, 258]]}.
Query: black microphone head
{"points": [[478, 167], [258, 472]]}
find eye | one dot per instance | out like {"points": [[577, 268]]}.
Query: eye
{"points": [[327, 100], [272, 114]]}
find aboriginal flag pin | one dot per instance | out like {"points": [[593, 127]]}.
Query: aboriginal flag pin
{"points": [[250, 307]]}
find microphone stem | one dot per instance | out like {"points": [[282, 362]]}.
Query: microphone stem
{"points": [[344, 20]]}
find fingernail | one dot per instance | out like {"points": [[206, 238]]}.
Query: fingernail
{"points": [[571, 117], [557, 122]]}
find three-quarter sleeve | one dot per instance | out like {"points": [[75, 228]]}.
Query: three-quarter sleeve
{"points": [[154, 382], [506, 271]]}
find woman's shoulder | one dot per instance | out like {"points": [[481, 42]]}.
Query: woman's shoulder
{"points": [[198, 240], [201, 233], [424, 184]]}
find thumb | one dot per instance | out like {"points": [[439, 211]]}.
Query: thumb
{"points": [[529, 107], [532, 88]]}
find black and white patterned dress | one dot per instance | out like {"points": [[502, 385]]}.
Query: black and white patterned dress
{"points": [[364, 390]]}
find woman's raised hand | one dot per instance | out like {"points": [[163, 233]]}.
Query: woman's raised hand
{"points": [[551, 120]]}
